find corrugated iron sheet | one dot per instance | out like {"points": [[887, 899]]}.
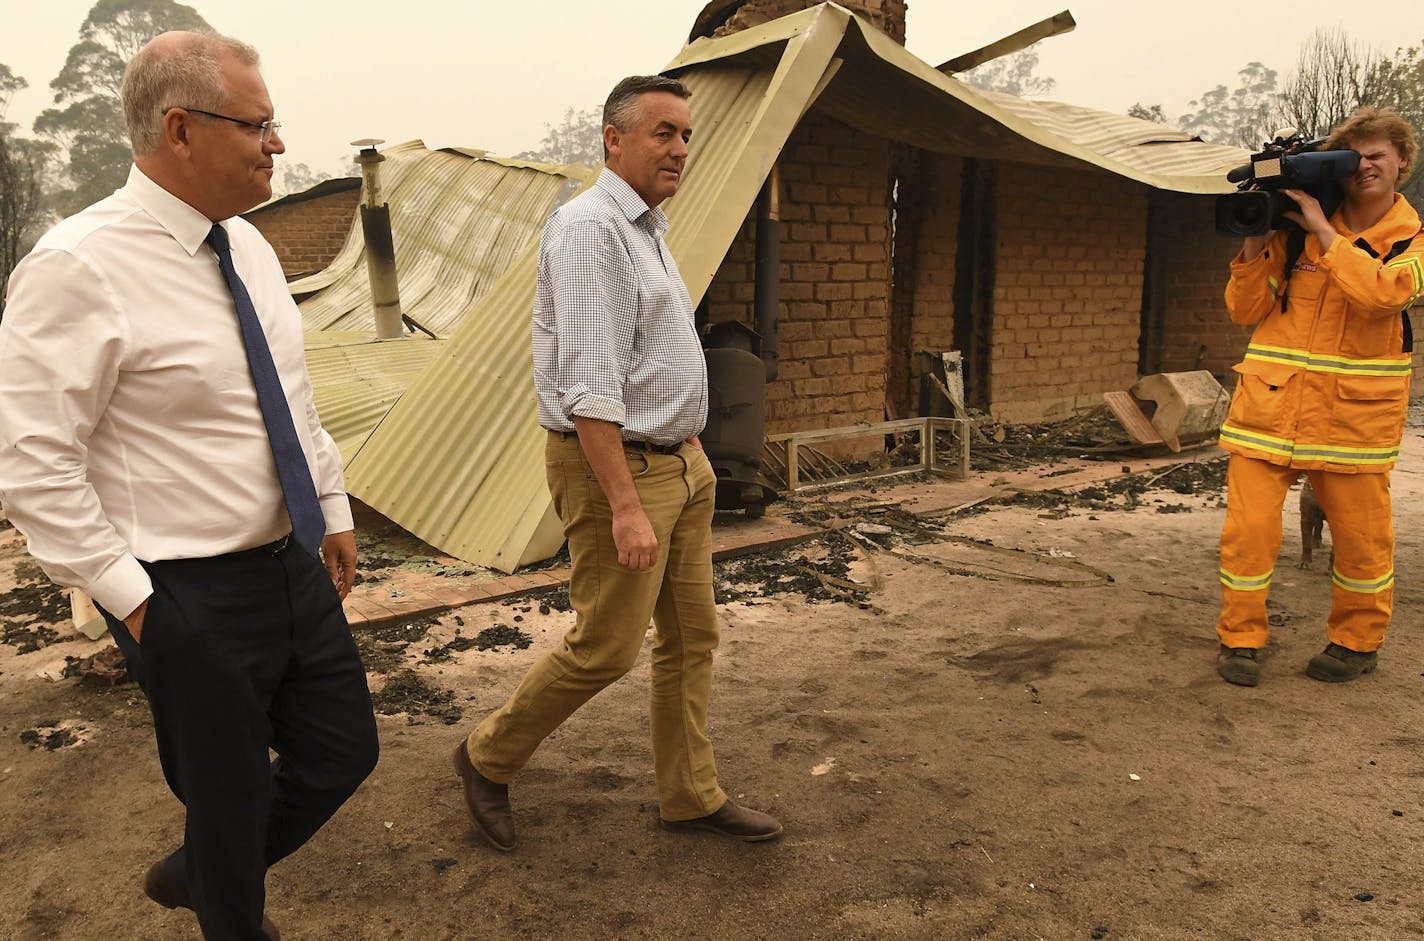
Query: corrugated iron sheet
{"points": [[937, 112], [356, 379], [459, 458], [459, 219]]}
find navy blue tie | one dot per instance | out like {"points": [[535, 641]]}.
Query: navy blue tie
{"points": [[303, 507]]}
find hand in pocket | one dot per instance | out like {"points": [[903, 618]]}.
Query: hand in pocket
{"points": [[134, 622]]}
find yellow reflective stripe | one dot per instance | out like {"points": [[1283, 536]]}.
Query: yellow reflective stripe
{"points": [[1245, 582], [1304, 451], [1339, 365], [1254, 439], [1416, 271], [1278, 354], [1364, 586], [1274, 285], [1339, 455], [1359, 367]]}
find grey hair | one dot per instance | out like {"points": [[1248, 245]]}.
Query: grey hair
{"points": [[183, 72], [623, 105]]}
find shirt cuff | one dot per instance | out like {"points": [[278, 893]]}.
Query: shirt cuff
{"points": [[121, 588], [583, 403], [336, 510], [1332, 254]]}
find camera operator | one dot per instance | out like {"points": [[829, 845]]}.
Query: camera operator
{"points": [[1323, 390]]}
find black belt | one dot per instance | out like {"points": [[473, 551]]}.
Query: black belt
{"points": [[651, 447], [271, 548]]}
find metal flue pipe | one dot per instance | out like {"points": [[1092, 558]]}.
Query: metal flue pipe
{"points": [[767, 299], [380, 244]]}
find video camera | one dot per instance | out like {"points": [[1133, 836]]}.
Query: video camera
{"points": [[1288, 162]]}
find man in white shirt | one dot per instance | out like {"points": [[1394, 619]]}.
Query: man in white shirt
{"points": [[160, 450], [621, 382]]}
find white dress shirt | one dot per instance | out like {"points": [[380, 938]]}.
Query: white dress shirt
{"points": [[614, 334], [129, 424]]}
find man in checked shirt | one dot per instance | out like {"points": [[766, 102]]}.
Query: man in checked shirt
{"points": [[622, 389]]}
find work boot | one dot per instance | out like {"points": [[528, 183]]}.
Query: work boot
{"points": [[1238, 665], [1336, 664]]}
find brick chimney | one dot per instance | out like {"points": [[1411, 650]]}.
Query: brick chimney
{"points": [[721, 17]]}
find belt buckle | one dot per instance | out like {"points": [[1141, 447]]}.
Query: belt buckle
{"points": [[275, 547]]}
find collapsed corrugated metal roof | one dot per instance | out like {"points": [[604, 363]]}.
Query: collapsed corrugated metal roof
{"points": [[458, 459], [316, 191], [356, 380], [938, 112], [459, 218], [1186, 163]]}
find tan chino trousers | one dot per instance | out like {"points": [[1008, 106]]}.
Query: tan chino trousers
{"points": [[613, 607]]}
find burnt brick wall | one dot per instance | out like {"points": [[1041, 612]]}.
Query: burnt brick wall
{"points": [[1068, 290], [1198, 333], [307, 234], [835, 278], [888, 16]]}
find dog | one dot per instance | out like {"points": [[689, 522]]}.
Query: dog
{"points": [[1312, 526]]}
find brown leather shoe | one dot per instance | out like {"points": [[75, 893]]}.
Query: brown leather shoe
{"points": [[488, 803], [739, 823], [172, 892]]}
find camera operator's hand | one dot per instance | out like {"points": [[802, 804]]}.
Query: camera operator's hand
{"points": [[1311, 217]]}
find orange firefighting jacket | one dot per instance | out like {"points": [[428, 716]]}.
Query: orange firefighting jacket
{"points": [[1325, 382]]}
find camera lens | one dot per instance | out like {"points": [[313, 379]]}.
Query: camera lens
{"points": [[1246, 213], [1250, 214]]}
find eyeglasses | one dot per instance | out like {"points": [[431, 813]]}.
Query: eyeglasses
{"points": [[266, 128]]}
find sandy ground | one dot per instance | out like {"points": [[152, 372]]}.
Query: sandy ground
{"points": [[953, 755]]}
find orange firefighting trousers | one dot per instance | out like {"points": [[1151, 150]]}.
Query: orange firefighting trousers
{"points": [[1357, 509]]}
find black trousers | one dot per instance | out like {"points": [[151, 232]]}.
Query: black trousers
{"points": [[241, 654]]}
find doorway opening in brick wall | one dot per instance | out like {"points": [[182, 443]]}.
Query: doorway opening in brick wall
{"points": [[976, 265]]}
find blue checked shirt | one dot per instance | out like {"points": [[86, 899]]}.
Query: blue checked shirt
{"points": [[613, 333]]}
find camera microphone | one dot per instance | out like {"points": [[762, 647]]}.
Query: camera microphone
{"points": [[1237, 174]]}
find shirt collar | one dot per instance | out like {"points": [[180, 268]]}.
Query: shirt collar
{"points": [[188, 226], [630, 203]]}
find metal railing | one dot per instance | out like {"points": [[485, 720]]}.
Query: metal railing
{"points": [[929, 457]]}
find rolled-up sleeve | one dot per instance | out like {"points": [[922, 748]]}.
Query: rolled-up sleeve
{"points": [[62, 342]]}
